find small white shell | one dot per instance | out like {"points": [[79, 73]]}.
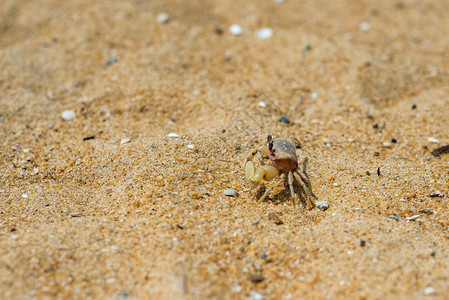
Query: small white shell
{"points": [[68, 115], [322, 205], [236, 29], [231, 193]]}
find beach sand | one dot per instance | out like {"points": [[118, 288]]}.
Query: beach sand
{"points": [[109, 206]]}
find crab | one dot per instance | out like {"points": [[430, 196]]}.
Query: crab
{"points": [[284, 162]]}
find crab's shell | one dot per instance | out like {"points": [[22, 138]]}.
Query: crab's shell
{"points": [[283, 156]]}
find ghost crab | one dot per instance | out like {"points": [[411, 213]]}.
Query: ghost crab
{"points": [[284, 161]]}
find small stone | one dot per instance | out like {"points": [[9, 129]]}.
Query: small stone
{"points": [[262, 104], [433, 140], [68, 115], [264, 33], [284, 119], [91, 137], [110, 62], [231, 193], [436, 194], [314, 95], [322, 205], [163, 18], [365, 26], [335, 184], [274, 217], [218, 30], [441, 150], [279, 1], [394, 217], [256, 296], [362, 243], [429, 290], [24, 196], [77, 214], [235, 29], [412, 218], [387, 144], [36, 171], [124, 141], [173, 135], [190, 146], [256, 278], [228, 54], [306, 48]]}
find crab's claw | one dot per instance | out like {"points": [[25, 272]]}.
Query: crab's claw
{"points": [[250, 169], [256, 175]]}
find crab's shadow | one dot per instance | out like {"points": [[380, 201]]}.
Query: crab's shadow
{"points": [[284, 194]]}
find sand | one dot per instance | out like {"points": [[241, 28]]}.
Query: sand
{"points": [[108, 206]]}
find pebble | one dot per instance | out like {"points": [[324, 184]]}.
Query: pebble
{"points": [[77, 214], [436, 194], [365, 26], [433, 140], [284, 119], [36, 171], [173, 135], [275, 218], [68, 115], [256, 278], [163, 18], [264, 33], [237, 288], [322, 205], [394, 217], [256, 295], [412, 217], [306, 48], [231, 193], [314, 95], [24, 196], [429, 290], [387, 144], [228, 54], [190, 146], [279, 1], [110, 62], [124, 141], [262, 104], [236, 29]]}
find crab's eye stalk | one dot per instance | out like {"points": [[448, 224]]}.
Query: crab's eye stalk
{"points": [[270, 142]]}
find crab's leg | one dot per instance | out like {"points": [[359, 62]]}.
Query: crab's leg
{"points": [[270, 188], [295, 140], [306, 178], [292, 192], [306, 186]]}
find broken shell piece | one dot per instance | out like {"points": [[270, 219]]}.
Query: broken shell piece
{"points": [[231, 193], [322, 205]]}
